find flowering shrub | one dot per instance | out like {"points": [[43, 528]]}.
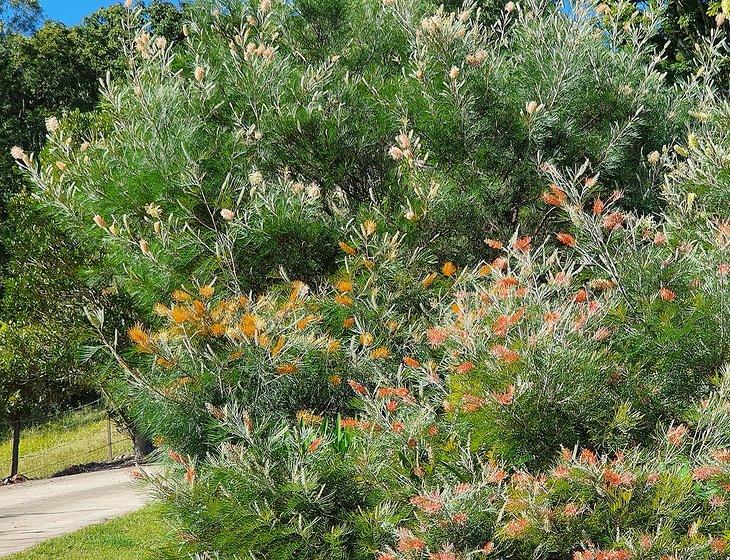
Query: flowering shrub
{"points": [[339, 364], [315, 94]]}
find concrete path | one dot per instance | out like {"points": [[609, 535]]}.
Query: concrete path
{"points": [[34, 511]]}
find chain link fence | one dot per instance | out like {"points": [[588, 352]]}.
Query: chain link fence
{"points": [[75, 437]]}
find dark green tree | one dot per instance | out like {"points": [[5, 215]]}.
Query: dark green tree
{"points": [[19, 15]]}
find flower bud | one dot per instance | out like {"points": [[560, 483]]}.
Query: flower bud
{"points": [[52, 124], [654, 157], [100, 221], [144, 247]]}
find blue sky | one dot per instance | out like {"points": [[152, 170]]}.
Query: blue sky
{"points": [[72, 12]]}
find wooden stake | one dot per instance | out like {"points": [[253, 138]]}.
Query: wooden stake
{"points": [[109, 436], [16, 447]]}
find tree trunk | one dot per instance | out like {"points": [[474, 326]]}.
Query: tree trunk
{"points": [[142, 446], [16, 447]]}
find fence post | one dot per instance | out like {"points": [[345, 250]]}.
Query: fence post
{"points": [[109, 436], [16, 447]]}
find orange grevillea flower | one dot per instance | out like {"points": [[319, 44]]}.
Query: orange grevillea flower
{"points": [[181, 296], [500, 326], [505, 398], [448, 269], [721, 455], [613, 221], [497, 476], [286, 369], [380, 353], [667, 295], [603, 555], [555, 196], [614, 478], [504, 354], [551, 317], [429, 503], [190, 474], [343, 286], [248, 325], [566, 239], [517, 316], [472, 403], [581, 296], [347, 248], [561, 472], [515, 528], [357, 387], [598, 206], [587, 456], [138, 335], [445, 555], [314, 445], [411, 362], [387, 392], [278, 346], [676, 434], [408, 542], [175, 456], [705, 472], [523, 244], [304, 322], [494, 244], [428, 280], [349, 423], [465, 367], [436, 336]]}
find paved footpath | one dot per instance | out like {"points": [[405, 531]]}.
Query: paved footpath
{"points": [[37, 510]]}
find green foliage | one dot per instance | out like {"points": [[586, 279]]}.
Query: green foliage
{"points": [[338, 363], [19, 15], [37, 370], [45, 282]]}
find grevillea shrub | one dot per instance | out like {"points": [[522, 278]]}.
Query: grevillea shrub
{"points": [[339, 364], [317, 90]]}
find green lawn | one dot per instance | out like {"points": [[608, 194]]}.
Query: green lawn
{"points": [[137, 536], [79, 437]]}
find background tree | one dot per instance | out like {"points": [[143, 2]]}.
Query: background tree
{"points": [[47, 72], [19, 16]]}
